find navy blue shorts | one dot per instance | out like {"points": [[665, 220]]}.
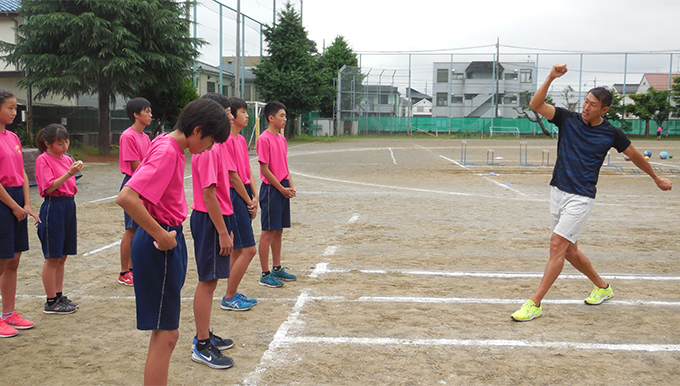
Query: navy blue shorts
{"points": [[13, 233], [243, 226], [209, 263], [129, 222], [58, 229], [159, 278], [275, 208]]}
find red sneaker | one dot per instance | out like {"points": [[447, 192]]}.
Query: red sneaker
{"points": [[18, 322], [6, 331], [126, 279]]}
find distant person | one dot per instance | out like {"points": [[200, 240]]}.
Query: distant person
{"points": [[583, 142], [58, 228], [134, 143], [658, 133], [276, 191], [15, 207], [211, 228], [244, 199], [154, 197]]}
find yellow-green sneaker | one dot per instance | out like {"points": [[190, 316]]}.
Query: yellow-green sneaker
{"points": [[599, 295], [528, 312]]}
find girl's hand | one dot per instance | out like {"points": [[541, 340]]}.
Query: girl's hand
{"points": [[76, 167]]}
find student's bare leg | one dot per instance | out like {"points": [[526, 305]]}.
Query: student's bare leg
{"points": [[161, 346], [276, 247], [263, 248], [203, 306], [125, 260], [8, 283], [240, 259], [558, 251], [59, 275], [582, 263], [49, 276]]}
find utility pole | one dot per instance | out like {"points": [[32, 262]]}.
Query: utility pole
{"points": [[237, 59]]}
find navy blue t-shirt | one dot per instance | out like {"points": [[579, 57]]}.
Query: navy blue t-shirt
{"points": [[581, 150]]}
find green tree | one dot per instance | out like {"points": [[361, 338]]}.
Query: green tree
{"points": [[525, 98], [167, 103], [337, 55], [675, 94], [651, 106], [70, 48], [290, 74]]}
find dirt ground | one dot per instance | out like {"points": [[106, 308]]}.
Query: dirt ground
{"points": [[409, 265]]}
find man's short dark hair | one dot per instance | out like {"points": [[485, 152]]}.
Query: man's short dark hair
{"points": [[271, 108], [207, 114], [236, 104], [603, 95], [135, 106], [219, 98]]}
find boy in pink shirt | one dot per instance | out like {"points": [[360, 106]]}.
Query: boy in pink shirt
{"points": [[134, 143], [211, 228], [276, 191], [154, 198], [55, 174]]}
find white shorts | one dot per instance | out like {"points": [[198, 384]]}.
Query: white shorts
{"points": [[569, 213]]}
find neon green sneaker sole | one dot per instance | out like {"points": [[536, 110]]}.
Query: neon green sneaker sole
{"points": [[528, 312], [599, 295]]}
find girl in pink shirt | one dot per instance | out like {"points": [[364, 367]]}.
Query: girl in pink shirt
{"points": [[15, 207], [55, 174]]}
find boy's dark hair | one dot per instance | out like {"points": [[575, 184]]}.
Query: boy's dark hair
{"points": [[271, 108], [4, 95], [236, 104], [603, 95], [219, 98], [50, 133], [207, 114], [135, 106]]}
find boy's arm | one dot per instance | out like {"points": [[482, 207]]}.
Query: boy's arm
{"points": [[238, 186], [643, 164], [269, 176], [215, 213], [134, 165], [256, 198], [129, 200]]}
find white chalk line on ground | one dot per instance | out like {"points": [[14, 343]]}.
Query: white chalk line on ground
{"points": [[392, 154], [353, 219], [330, 250], [322, 268], [505, 186], [455, 162], [92, 252]]}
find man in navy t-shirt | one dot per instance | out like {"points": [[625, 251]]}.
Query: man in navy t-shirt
{"points": [[584, 140]]}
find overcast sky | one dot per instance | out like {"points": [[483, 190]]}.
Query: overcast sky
{"points": [[384, 32]]}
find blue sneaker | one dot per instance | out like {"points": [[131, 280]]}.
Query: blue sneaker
{"points": [[283, 275], [211, 357], [235, 304], [218, 342], [270, 281], [246, 299]]}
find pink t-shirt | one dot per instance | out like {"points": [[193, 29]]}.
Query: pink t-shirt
{"points": [[159, 181], [238, 150], [273, 151], [48, 168], [11, 160], [208, 168], [133, 147]]}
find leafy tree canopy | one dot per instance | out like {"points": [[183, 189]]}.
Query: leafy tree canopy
{"points": [[337, 55], [652, 105]]}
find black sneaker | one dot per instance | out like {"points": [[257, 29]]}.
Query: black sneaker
{"points": [[59, 308], [220, 343], [66, 300], [212, 357]]}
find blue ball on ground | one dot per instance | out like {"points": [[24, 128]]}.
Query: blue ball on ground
{"points": [[647, 153], [663, 155]]}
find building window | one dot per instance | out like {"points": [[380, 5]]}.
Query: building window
{"points": [[525, 76], [442, 76], [510, 76], [510, 99], [211, 86], [384, 99], [246, 92], [419, 109], [441, 99], [225, 90], [456, 100], [469, 97], [458, 76]]}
